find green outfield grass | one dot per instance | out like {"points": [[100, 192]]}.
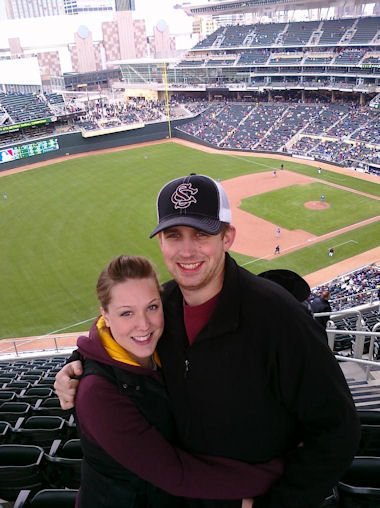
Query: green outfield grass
{"points": [[285, 207], [62, 223]]}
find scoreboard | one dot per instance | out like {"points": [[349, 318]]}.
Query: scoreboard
{"points": [[24, 151]]}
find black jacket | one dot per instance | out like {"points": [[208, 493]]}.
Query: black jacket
{"points": [[258, 381], [319, 304], [105, 482]]}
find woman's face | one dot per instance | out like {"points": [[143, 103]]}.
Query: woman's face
{"points": [[135, 318]]}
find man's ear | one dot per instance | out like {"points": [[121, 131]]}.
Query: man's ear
{"points": [[159, 236], [229, 237]]}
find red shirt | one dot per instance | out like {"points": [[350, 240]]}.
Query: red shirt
{"points": [[196, 316]]}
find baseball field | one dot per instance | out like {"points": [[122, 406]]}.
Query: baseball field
{"points": [[61, 223]]}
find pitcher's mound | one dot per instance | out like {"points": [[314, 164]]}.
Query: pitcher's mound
{"points": [[317, 205]]}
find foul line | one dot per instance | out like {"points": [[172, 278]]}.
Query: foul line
{"points": [[344, 243], [292, 247]]}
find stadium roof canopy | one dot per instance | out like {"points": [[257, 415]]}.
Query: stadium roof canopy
{"points": [[234, 6]]}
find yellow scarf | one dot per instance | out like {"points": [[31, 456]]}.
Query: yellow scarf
{"points": [[114, 349]]}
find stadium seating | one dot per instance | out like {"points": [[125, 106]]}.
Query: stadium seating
{"points": [[20, 468], [47, 498], [31, 395], [24, 107], [49, 407], [370, 441], [11, 411], [360, 485], [64, 464], [7, 396], [39, 429], [4, 432]]}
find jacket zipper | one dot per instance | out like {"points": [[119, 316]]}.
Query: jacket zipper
{"points": [[187, 367]]}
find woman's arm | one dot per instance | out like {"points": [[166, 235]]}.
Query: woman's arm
{"points": [[115, 424]]}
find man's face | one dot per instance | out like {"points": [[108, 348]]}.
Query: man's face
{"points": [[196, 260]]}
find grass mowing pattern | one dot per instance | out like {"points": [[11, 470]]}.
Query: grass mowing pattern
{"points": [[62, 223]]}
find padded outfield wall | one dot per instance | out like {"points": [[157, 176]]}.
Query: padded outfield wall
{"points": [[74, 143]]}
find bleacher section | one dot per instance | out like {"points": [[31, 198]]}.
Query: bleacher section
{"points": [[333, 30], [209, 40], [366, 30], [40, 451], [253, 57], [299, 33], [340, 54], [39, 443], [276, 126], [24, 107], [235, 36], [266, 34], [349, 57], [55, 98]]}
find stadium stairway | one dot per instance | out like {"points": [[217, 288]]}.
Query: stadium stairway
{"points": [[366, 394]]}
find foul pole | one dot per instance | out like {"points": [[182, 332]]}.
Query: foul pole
{"points": [[165, 76]]}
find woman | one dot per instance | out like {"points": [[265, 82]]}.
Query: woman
{"points": [[127, 433]]}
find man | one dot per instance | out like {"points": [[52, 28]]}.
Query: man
{"points": [[321, 304], [247, 370]]}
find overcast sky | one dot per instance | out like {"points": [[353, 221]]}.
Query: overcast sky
{"points": [[152, 11], [50, 28]]}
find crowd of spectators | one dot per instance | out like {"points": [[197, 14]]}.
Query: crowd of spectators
{"points": [[356, 155], [350, 290], [341, 133]]}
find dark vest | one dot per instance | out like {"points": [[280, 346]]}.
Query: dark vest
{"points": [[107, 484]]}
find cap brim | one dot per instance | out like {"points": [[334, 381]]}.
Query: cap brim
{"points": [[209, 226]]}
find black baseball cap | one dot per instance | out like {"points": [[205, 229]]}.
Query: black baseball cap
{"points": [[196, 201]]}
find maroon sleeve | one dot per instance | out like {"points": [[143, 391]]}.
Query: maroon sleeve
{"points": [[115, 424]]}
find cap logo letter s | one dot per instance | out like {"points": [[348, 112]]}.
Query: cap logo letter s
{"points": [[183, 196]]}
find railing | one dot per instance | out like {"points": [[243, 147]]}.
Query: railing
{"points": [[46, 345], [360, 333]]}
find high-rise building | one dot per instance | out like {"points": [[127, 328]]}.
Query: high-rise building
{"points": [[15, 9], [124, 5], [78, 6]]}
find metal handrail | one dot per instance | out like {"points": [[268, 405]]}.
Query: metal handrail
{"points": [[17, 346]]}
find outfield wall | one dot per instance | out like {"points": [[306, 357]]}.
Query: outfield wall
{"points": [[74, 143]]}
